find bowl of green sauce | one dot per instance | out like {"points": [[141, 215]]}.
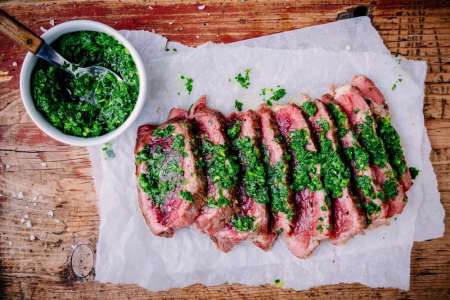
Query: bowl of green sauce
{"points": [[51, 96]]}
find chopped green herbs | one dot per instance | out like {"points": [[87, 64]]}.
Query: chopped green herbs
{"points": [[222, 166], [309, 108], [358, 156], [188, 83], [58, 95], [243, 223], [164, 132], [187, 196], [277, 182], [238, 105], [272, 94], [305, 170], [396, 82], [221, 202], [254, 172], [390, 189], [364, 184], [243, 80], [414, 172], [234, 130], [340, 119], [372, 143], [162, 176], [371, 209], [391, 140]]}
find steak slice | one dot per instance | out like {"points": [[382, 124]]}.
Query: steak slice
{"points": [[361, 118], [358, 158], [221, 168], [347, 217], [253, 217], [171, 189], [387, 132], [312, 221], [277, 164]]}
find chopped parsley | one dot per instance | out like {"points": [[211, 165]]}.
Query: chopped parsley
{"points": [[414, 172], [371, 142], [221, 202], [371, 209], [390, 188], [254, 172], [391, 140], [364, 184], [164, 132], [340, 119], [221, 165], [305, 170], [243, 80], [272, 94], [188, 83], [358, 156], [234, 130], [58, 95], [187, 196], [277, 182], [309, 108], [238, 105], [243, 223]]}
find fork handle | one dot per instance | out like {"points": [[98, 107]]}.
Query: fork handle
{"points": [[19, 33]]}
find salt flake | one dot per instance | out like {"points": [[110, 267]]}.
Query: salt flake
{"points": [[28, 224], [201, 7], [50, 213], [32, 237], [20, 195]]}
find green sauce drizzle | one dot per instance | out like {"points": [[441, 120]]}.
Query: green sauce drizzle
{"points": [[243, 223], [309, 108], [254, 172], [391, 140], [372, 143], [305, 171]]}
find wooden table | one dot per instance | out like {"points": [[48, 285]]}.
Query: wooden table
{"points": [[55, 177]]}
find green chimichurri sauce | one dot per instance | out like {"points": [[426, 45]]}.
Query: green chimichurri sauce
{"points": [[309, 108], [391, 140], [222, 168], [254, 172], [56, 93], [340, 119], [372, 143], [305, 171], [243, 223], [277, 175]]}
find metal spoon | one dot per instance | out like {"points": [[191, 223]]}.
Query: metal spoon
{"points": [[24, 36]]}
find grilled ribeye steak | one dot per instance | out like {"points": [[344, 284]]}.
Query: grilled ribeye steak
{"points": [[387, 132], [221, 169], [313, 216], [363, 123], [277, 164], [348, 219], [171, 189], [253, 216]]}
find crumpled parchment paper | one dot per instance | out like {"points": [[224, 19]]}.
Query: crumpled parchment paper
{"points": [[128, 253]]}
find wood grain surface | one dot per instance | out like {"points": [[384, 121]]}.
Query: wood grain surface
{"points": [[40, 177]]}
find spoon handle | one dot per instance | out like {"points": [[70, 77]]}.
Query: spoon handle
{"points": [[19, 33]]}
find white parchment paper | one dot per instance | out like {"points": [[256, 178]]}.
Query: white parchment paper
{"points": [[128, 253]]}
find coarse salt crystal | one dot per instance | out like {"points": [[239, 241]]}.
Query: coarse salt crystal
{"points": [[35, 197], [201, 7], [7, 166], [150, 7], [32, 237], [26, 216], [20, 195], [170, 23], [197, 36], [44, 164], [28, 224], [14, 64], [50, 213], [22, 220]]}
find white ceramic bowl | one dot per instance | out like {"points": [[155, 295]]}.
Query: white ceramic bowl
{"points": [[25, 83]]}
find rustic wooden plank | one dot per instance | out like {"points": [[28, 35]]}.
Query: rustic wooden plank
{"points": [[34, 164]]}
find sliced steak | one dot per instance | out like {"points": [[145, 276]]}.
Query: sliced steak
{"points": [[362, 121], [171, 189], [313, 213], [277, 164], [387, 132], [253, 216], [221, 168], [347, 217], [358, 158]]}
